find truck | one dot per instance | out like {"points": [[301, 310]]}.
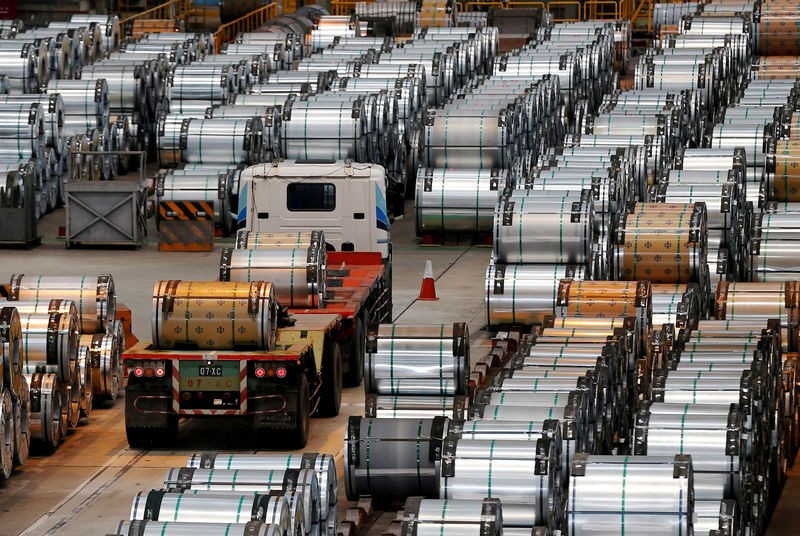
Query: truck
{"points": [[315, 348]]}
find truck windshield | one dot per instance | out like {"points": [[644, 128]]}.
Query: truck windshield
{"points": [[311, 196]]}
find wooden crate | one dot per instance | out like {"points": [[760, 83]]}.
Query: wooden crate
{"points": [[186, 225]]}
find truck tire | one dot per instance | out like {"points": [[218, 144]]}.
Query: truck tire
{"points": [[146, 437], [355, 373], [331, 393], [298, 436], [161, 429]]}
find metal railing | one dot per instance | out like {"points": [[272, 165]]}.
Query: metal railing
{"points": [[344, 7], [562, 10], [174, 9], [227, 32]]}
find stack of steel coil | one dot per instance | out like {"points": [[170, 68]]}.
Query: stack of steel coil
{"points": [[286, 494], [100, 332], [57, 318], [15, 409], [417, 371], [717, 399]]}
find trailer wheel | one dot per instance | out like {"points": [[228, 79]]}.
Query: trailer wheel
{"points": [[355, 374], [298, 436], [146, 437], [331, 392]]}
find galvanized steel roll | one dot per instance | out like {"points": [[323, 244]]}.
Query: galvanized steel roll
{"points": [[654, 492], [481, 141], [426, 517], [255, 240], [7, 434], [323, 465], [85, 372], [22, 130], [216, 188], [297, 274], [325, 131], [457, 200], [87, 99], [95, 297], [402, 360], [221, 141], [53, 115], [413, 406], [514, 471], [381, 457], [105, 356], [243, 314], [50, 344], [564, 230], [11, 348], [259, 482], [174, 528], [45, 400], [524, 293], [26, 68], [22, 422], [202, 508]]}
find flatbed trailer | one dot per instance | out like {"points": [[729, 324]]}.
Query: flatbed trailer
{"points": [[277, 389]]}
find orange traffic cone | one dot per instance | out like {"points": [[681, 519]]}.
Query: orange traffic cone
{"points": [[428, 290]]}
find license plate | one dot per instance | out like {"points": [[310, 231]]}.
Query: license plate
{"points": [[222, 376]]}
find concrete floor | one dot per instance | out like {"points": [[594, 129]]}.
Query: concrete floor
{"points": [[88, 484]]}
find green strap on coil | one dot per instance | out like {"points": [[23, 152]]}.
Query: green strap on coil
{"points": [[178, 506], [291, 279], [419, 436], [369, 436], [391, 358], [624, 481], [441, 360]]}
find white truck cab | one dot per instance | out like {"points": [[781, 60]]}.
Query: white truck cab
{"points": [[345, 199]]}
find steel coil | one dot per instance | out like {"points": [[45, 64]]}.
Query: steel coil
{"points": [[381, 459], [401, 360], [516, 471], [222, 141], [524, 294], [22, 126], [202, 508], [462, 200], [95, 297], [46, 410], [604, 487], [217, 188], [301, 239], [50, 344], [85, 373], [564, 229], [244, 481], [173, 528], [297, 275], [243, 316], [322, 464], [105, 355], [432, 516], [11, 348]]}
